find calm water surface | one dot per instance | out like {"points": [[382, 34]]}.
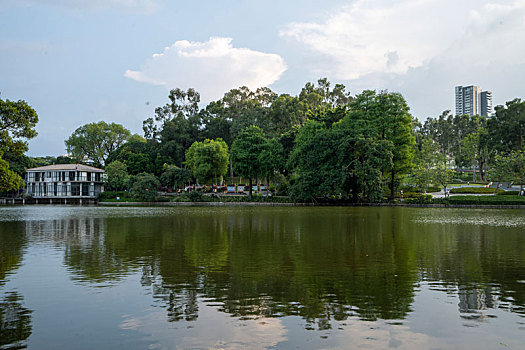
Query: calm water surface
{"points": [[278, 278]]}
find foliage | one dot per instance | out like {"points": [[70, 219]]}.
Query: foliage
{"points": [[507, 127], [17, 124], [95, 141], [9, 180], [117, 177], [246, 151], [418, 198], [175, 177], [343, 160], [477, 190], [271, 158], [208, 160], [442, 175], [145, 186], [388, 113], [110, 195], [508, 193], [139, 157], [510, 166], [481, 200]]}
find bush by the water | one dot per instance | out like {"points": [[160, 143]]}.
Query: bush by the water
{"points": [[419, 198], [112, 195], [476, 190], [482, 200]]}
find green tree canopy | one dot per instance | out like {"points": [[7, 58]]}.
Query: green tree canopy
{"points": [[145, 186], [507, 127], [17, 125], [95, 141], [388, 114], [246, 151], [173, 176], [208, 160], [117, 177]]}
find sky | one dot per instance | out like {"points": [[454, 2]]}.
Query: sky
{"points": [[83, 61]]}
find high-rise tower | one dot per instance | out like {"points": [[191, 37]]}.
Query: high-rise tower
{"points": [[471, 100]]}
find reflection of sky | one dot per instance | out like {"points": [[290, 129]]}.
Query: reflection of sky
{"points": [[68, 314]]}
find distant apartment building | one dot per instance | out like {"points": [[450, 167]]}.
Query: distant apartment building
{"points": [[64, 181], [471, 100]]}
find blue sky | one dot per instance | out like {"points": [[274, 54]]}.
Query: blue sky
{"points": [[80, 61]]}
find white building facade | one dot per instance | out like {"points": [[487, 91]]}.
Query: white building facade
{"points": [[64, 181]]}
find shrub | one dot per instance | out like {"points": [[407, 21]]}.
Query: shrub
{"points": [[508, 193], [482, 200], [109, 195], [476, 190], [419, 199], [433, 188]]}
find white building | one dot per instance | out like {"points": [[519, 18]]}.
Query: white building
{"points": [[64, 181]]}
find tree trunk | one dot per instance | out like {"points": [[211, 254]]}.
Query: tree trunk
{"points": [[231, 171], [392, 180], [250, 190], [473, 171]]}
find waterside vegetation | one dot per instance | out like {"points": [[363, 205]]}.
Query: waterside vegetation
{"points": [[323, 145]]}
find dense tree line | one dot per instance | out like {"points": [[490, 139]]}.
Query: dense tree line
{"points": [[322, 143]]}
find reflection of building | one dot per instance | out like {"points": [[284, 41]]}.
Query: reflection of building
{"points": [[64, 181], [81, 231], [471, 100], [475, 300]]}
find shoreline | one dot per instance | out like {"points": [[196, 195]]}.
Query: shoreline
{"points": [[267, 204]]}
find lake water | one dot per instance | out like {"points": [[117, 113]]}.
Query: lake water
{"points": [[278, 278]]}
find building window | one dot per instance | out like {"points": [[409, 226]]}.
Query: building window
{"points": [[85, 190], [75, 189]]}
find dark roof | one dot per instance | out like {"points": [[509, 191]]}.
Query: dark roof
{"points": [[66, 167]]}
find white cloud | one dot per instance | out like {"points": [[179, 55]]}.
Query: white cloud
{"points": [[212, 68], [146, 6], [420, 46]]}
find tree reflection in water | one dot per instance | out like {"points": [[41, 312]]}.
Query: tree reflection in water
{"points": [[321, 264], [15, 322]]}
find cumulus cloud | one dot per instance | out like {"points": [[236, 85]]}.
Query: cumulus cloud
{"points": [[408, 43], [146, 6], [212, 68]]}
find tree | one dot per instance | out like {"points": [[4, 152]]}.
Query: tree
{"points": [[271, 159], [139, 157], [507, 127], [17, 124], [510, 167], [425, 161], [95, 141], [245, 152], [117, 177], [182, 104], [9, 180], [470, 145], [173, 176], [343, 159], [145, 186], [208, 160], [388, 114]]}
